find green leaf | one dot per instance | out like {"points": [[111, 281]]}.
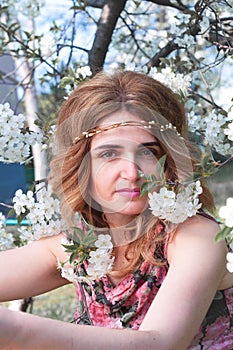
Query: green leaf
{"points": [[78, 235], [160, 166], [73, 257], [69, 248], [22, 216], [146, 187], [223, 233], [11, 212]]}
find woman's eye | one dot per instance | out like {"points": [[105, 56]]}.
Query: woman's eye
{"points": [[147, 152], [108, 155]]}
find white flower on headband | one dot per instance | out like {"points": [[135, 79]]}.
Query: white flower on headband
{"points": [[176, 207]]}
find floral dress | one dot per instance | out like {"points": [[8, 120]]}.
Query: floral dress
{"points": [[125, 306]]}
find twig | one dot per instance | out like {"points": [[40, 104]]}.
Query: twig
{"points": [[223, 46], [6, 205]]}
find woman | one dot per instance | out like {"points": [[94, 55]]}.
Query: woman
{"points": [[167, 281]]}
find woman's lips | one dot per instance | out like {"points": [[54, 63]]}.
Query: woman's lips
{"points": [[129, 192]]}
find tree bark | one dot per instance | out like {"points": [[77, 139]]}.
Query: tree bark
{"points": [[106, 25], [93, 3], [178, 6], [155, 61], [100, 3]]}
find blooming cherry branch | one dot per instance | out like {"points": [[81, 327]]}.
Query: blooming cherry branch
{"points": [[42, 214], [176, 207], [15, 139], [90, 250]]}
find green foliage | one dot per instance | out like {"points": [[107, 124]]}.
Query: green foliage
{"points": [[82, 244], [151, 181], [223, 234]]}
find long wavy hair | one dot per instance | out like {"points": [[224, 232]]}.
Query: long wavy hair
{"points": [[86, 107]]}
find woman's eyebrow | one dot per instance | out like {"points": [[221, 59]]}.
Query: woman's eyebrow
{"points": [[149, 144], [106, 146], [116, 146]]}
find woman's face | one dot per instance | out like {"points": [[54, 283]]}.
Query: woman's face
{"points": [[116, 157]]}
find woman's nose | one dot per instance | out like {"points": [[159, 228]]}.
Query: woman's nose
{"points": [[129, 170]]}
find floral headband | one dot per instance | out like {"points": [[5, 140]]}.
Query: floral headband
{"points": [[145, 124]]}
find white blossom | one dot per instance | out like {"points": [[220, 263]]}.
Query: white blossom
{"points": [[194, 121], [26, 234], [99, 257], [185, 40], [183, 18], [230, 115], [99, 268], [47, 44], [229, 257], [176, 30], [226, 212], [95, 272], [21, 202], [175, 81], [2, 220], [100, 260], [176, 207], [43, 214], [67, 271], [213, 128], [84, 72], [229, 131], [204, 24], [15, 140], [104, 242], [28, 8], [6, 238]]}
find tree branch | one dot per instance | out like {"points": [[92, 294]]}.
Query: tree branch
{"points": [[106, 25], [164, 52], [73, 31], [100, 3], [179, 5], [132, 33], [93, 3]]}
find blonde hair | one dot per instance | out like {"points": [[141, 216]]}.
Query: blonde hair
{"points": [[92, 101]]}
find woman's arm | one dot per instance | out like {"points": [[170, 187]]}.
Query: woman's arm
{"points": [[22, 331], [31, 270], [197, 267]]}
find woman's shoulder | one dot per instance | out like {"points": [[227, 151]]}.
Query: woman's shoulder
{"points": [[197, 236], [202, 230], [200, 225]]}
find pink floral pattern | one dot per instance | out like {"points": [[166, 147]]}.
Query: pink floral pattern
{"points": [[126, 305]]}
